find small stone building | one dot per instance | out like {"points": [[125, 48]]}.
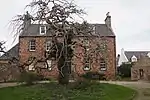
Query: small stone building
{"points": [[9, 71], [141, 69]]}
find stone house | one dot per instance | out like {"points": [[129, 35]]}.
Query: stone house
{"points": [[9, 71], [141, 69], [130, 56], [35, 40]]}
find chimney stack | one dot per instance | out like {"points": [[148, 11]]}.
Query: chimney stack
{"points": [[27, 20], [108, 20]]}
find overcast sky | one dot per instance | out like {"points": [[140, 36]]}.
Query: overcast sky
{"points": [[130, 20]]}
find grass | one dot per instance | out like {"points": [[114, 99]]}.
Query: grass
{"points": [[53, 91]]}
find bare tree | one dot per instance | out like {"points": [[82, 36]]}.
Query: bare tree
{"points": [[60, 16]]}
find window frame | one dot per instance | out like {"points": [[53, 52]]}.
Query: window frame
{"points": [[32, 44], [103, 65], [47, 64], [87, 67], [87, 64], [31, 68], [134, 58], [48, 45], [94, 29], [42, 27]]}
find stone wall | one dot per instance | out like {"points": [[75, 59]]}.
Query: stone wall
{"points": [[8, 72], [141, 64]]}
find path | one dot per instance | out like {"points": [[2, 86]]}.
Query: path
{"points": [[7, 84], [143, 88]]}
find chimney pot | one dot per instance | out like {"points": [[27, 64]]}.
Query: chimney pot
{"points": [[108, 20]]}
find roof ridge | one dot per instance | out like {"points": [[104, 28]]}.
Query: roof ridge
{"points": [[136, 51], [7, 55]]}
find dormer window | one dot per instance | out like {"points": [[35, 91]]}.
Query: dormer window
{"points": [[134, 59], [94, 29], [42, 29], [148, 54]]}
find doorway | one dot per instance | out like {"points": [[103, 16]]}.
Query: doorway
{"points": [[141, 73]]}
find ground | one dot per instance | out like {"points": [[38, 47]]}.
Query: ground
{"points": [[143, 88], [53, 91]]}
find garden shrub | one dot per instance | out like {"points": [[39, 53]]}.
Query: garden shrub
{"points": [[125, 70], [87, 80], [118, 77], [29, 77], [81, 84], [93, 76]]}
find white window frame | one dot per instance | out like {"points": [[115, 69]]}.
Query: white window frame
{"points": [[87, 66], [103, 65], [134, 59], [49, 64], [148, 54], [94, 29], [48, 45], [31, 67], [32, 45], [41, 29]]}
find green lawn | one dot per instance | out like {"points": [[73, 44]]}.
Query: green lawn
{"points": [[53, 91]]}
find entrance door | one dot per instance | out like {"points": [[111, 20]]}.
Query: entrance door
{"points": [[141, 73]]}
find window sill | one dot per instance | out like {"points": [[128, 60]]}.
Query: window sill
{"points": [[31, 69], [32, 50], [103, 69], [42, 33], [86, 69]]}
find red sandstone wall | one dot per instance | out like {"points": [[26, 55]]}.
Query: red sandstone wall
{"points": [[95, 62], [24, 54]]}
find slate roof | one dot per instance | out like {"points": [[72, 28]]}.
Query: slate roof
{"points": [[138, 54], [34, 30], [13, 52]]}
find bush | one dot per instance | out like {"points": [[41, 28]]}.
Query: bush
{"points": [[81, 84], [125, 70], [94, 76], [118, 77], [29, 77]]}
